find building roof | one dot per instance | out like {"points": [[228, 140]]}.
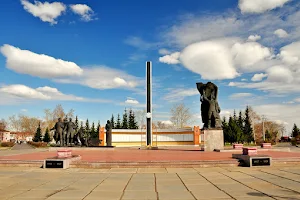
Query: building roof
{"points": [[21, 133]]}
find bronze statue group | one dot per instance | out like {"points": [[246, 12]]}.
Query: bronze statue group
{"points": [[66, 134]]}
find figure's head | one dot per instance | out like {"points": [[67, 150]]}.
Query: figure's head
{"points": [[108, 122], [70, 119], [59, 119]]}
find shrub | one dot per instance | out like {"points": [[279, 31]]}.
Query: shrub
{"points": [[7, 144], [37, 144]]}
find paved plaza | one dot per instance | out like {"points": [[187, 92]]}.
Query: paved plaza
{"points": [[18, 183]]}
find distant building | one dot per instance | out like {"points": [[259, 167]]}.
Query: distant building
{"points": [[4, 135], [22, 136]]}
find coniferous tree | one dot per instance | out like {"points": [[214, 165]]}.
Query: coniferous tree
{"points": [[93, 131], [235, 131], [295, 131], [225, 130], [76, 123], [81, 125], [136, 126], [240, 123], [234, 116], [87, 129], [46, 136], [132, 124], [98, 127], [118, 124], [247, 128], [125, 120], [38, 134], [112, 121]]}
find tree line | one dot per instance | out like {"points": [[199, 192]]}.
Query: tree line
{"points": [[128, 121], [238, 129]]}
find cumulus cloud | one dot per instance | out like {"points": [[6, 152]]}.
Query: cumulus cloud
{"points": [[254, 38], [84, 11], [170, 59], [40, 65], [102, 77], [249, 53], [259, 6], [47, 12], [179, 94], [258, 77], [279, 74], [224, 58], [290, 55], [240, 95], [281, 33], [42, 93]]}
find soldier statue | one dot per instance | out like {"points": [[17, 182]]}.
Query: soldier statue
{"points": [[69, 130], [59, 132], [108, 133], [210, 108]]}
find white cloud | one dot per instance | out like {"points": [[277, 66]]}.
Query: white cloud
{"points": [[249, 53], [40, 65], [164, 51], [103, 77], [281, 33], [47, 12], [131, 101], [211, 59], [290, 55], [244, 79], [84, 11], [170, 59], [279, 74], [179, 94], [240, 95], [24, 110], [254, 38], [167, 122], [260, 6], [22, 92], [258, 77]]}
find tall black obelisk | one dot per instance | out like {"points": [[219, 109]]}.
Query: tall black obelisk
{"points": [[149, 103]]}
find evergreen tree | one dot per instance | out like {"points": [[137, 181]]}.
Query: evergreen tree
{"points": [[46, 136], [234, 116], [38, 134], [125, 120], [118, 124], [225, 130], [98, 127], [112, 121], [295, 131], [87, 126], [136, 126], [235, 131], [240, 123], [93, 131], [76, 123], [132, 124], [81, 124], [247, 128]]}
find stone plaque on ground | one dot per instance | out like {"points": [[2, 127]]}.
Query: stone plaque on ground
{"points": [[54, 164]]}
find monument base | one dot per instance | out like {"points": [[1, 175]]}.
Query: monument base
{"points": [[253, 160], [213, 139]]}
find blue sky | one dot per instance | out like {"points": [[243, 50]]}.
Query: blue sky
{"points": [[90, 56]]}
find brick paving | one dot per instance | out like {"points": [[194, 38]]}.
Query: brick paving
{"points": [[135, 155], [150, 183]]}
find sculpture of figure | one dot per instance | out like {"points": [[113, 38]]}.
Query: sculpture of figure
{"points": [[108, 133], [210, 108], [59, 132], [70, 131]]}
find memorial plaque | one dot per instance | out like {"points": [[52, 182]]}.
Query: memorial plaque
{"points": [[54, 164], [261, 162]]}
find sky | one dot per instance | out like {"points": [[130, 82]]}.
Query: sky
{"points": [[90, 56]]}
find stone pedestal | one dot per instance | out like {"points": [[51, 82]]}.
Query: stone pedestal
{"points": [[64, 153], [213, 139], [266, 145]]}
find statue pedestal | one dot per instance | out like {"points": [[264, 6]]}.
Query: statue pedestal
{"points": [[213, 139]]}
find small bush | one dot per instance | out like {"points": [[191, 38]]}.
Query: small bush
{"points": [[37, 144], [7, 144]]}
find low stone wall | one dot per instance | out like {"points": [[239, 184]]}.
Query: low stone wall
{"points": [[160, 137]]}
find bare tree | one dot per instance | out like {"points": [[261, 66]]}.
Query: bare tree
{"points": [[23, 123], [254, 119], [180, 115], [51, 116], [3, 124], [163, 125], [140, 116]]}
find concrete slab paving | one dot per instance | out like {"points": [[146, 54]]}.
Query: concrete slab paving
{"points": [[151, 170], [207, 183]]}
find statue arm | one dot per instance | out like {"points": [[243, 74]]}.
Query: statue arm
{"points": [[204, 96]]}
